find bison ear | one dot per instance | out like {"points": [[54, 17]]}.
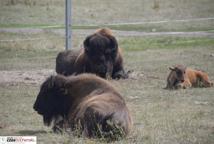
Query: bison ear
{"points": [[172, 68], [86, 43], [113, 42], [50, 81], [60, 81], [57, 81]]}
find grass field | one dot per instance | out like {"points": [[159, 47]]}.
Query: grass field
{"points": [[102, 11], [34, 13], [160, 116]]}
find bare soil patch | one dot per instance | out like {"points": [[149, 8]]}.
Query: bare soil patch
{"points": [[27, 77]]}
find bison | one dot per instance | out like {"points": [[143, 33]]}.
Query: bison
{"points": [[65, 62], [86, 103], [183, 77], [100, 55]]}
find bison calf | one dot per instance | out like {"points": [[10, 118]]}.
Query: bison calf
{"points": [[182, 77], [84, 102]]}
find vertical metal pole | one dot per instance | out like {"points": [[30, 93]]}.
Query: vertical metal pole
{"points": [[68, 24]]}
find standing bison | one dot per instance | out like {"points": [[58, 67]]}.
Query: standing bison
{"points": [[182, 77], [85, 103], [100, 55]]}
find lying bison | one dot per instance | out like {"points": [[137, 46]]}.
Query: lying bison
{"points": [[182, 77], [100, 55], [65, 62], [85, 103]]}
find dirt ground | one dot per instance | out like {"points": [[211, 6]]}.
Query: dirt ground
{"points": [[26, 77]]}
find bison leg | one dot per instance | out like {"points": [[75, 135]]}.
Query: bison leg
{"points": [[120, 74], [60, 125], [185, 84], [205, 81]]}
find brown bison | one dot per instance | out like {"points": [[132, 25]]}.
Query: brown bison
{"points": [[182, 77], [100, 55], [85, 103], [65, 62]]}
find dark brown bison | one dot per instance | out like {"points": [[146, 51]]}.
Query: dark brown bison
{"points": [[100, 55], [84, 102], [182, 77], [65, 62]]}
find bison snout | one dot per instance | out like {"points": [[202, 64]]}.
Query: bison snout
{"points": [[37, 108]]}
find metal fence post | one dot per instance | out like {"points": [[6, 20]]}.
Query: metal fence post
{"points": [[68, 24]]}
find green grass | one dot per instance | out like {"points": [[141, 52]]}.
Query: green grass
{"points": [[44, 47], [168, 26], [45, 26], [30, 26], [102, 11], [164, 42], [23, 53], [96, 13], [160, 116], [149, 27]]}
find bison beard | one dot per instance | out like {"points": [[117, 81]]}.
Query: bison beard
{"points": [[100, 56], [84, 102], [182, 77]]}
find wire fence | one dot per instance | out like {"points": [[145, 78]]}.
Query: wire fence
{"points": [[158, 22], [130, 33]]}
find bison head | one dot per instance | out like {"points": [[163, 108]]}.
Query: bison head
{"points": [[101, 50], [179, 71], [49, 102]]}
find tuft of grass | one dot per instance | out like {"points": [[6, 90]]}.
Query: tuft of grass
{"points": [[156, 5]]}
